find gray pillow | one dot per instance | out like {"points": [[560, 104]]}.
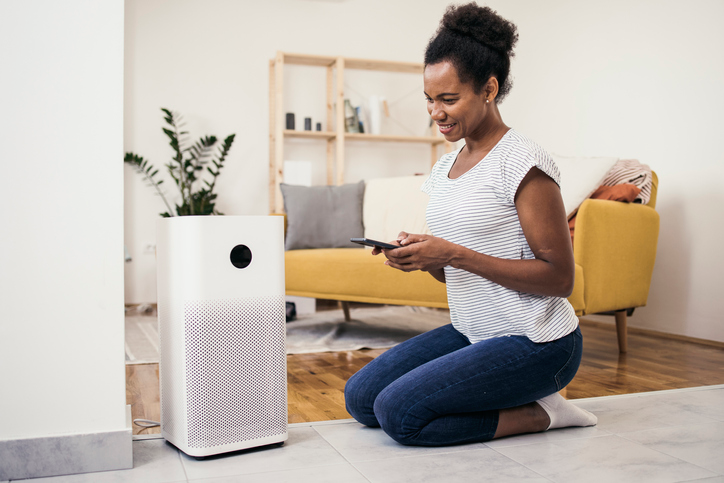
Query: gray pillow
{"points": [[323, 216]]}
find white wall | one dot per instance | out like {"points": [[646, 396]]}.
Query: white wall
{"points": [[61, 243], [630, 79]]}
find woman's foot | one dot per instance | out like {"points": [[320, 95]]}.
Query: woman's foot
{"points": [[548, 413], [564, 414], [529, 418]]}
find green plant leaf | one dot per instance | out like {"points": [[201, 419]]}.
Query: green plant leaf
{"points": [[183, 169]]}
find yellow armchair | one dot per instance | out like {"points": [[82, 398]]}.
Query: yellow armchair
{"points": [[615, 249]]}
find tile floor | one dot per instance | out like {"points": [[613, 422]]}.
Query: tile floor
{"points": [[667, 436]]}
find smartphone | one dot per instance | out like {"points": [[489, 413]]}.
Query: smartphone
{"points": [[373, 243]]}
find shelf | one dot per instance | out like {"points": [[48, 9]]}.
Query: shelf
{"points": [[309, 134], [302, 59], [364, 137], [383, 65], [395, 139], [364, 64]]}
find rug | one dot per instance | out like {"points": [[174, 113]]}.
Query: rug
{"points": [[326, 331], [142, 342], [370, 328]]}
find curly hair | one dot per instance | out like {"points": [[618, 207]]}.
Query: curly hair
{"points": [[479, 44]]}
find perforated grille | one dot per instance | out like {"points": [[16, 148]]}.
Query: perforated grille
{"points": [[170, 382], [236, 370]]}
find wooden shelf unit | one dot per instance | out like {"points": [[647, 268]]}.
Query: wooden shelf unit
{"points": [[336, 139]]}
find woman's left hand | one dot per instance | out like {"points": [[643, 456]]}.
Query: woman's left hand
{"points": [[420, 252]]}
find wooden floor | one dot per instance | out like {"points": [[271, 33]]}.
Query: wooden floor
{"points": [[316, 381]]}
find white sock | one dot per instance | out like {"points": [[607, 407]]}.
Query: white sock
{"points": [[564, 414]]}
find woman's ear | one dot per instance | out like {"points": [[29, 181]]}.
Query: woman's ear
{"points": [[491, 89]]}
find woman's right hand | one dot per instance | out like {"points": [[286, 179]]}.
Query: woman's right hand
{"points": [[426, 259], [420, 252]]}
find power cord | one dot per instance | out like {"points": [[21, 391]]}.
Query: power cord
{"points": [[146, 423]]}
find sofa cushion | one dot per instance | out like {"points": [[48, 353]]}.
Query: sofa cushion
{"points": [[392, 205], [323, 216], [580, 177], [354, 274]]}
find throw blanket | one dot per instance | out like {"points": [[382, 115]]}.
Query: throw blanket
{"points": [[630, 171], [628, 181]]}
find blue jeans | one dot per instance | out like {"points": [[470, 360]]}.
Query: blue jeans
{"points": [[439, 389]]}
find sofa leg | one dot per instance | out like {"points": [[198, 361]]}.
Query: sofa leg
{"points": [[621, 331], [345, 309]]}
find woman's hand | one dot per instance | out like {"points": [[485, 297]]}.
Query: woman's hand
{"points": [[418, 252]]}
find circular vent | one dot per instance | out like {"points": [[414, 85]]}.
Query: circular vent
{"points": [[240, 256]]}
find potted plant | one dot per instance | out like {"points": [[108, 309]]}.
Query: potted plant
{"points": [[188, 168]]}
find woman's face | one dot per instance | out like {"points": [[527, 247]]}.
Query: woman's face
{"points": [[456, 109]]}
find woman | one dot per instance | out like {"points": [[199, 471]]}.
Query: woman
{"points": [[501, 244]]}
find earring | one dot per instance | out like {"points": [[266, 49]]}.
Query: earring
{"points": [[487, 101]]}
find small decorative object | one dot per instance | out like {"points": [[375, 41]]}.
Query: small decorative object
{"points": [[375, 118], [187, 169], [360, 119], [307, 123], [351, 122], [290, 120], [319, 126]]}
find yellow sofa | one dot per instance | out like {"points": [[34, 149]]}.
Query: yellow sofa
{"points": [[614, 248]]}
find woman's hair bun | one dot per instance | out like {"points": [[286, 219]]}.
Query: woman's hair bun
{"points": [[482, 24], [479, 44]]}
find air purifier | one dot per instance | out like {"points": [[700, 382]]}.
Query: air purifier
{"points": [[221, 312]]}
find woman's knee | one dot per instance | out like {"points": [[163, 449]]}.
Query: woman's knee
{"points": [[392, 414], [359, 401]]}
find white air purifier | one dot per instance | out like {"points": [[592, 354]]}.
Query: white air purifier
{"points": [[221, 310]]}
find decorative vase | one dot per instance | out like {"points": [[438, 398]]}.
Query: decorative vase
{"points": [[351, 122]]}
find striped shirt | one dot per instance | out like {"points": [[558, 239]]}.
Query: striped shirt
{"points": [[477, 210]]}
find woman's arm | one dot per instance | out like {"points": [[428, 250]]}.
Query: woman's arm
{"points": [[543, 219], [438, 274]]}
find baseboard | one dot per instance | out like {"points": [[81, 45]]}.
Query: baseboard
{"points": [[66, 455]]}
